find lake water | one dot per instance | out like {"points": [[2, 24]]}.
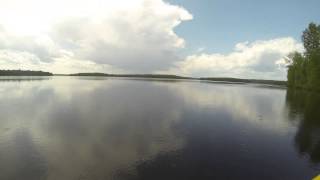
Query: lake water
{"points": [[73, 128]]}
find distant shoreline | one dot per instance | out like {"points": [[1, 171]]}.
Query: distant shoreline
{"points": [[165, 76], [151, 76], [238, 80], [24, 73]]}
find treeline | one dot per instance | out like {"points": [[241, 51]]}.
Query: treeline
{"points": [[169, 76], [304, 69], [237, 80], [166, 76], [23, 73], [156, 76]]}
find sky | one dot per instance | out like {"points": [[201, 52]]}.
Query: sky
{"points": [[199, 38]]}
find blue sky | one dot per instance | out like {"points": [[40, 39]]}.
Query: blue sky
{"points": [[217, 38], [219, 24]]}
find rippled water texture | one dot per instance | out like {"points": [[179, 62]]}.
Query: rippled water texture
{"points": [[71, 128]]}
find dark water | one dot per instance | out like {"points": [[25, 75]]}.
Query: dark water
{"points": [[69, 128]]}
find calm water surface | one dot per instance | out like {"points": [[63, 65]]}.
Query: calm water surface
{"points": [[71, 128]]}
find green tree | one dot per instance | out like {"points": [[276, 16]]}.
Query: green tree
{"points": [[297, 75], [313, 70], [304, 70], [311, 38]]}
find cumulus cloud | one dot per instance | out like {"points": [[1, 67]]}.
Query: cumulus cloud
{"points": [[260, 59], [122, 36], [132, 36]]}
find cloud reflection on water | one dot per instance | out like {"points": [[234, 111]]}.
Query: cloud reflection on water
{"points": [[73, 128]]}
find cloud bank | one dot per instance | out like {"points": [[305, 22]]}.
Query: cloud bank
{"points": [[260, 59], [135, 36]]}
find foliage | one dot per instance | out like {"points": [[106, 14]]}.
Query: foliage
{"points": [[304, 70]]}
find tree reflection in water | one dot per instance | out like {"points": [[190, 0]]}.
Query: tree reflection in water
{"points": [[305, 107]]}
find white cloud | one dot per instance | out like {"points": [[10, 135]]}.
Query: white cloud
{"points": [[135, 35], [260, 59]]}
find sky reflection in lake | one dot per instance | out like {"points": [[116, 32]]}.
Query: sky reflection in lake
{"points": [[109, 128]]}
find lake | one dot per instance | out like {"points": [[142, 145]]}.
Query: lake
{"points": [[94, 128]]}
